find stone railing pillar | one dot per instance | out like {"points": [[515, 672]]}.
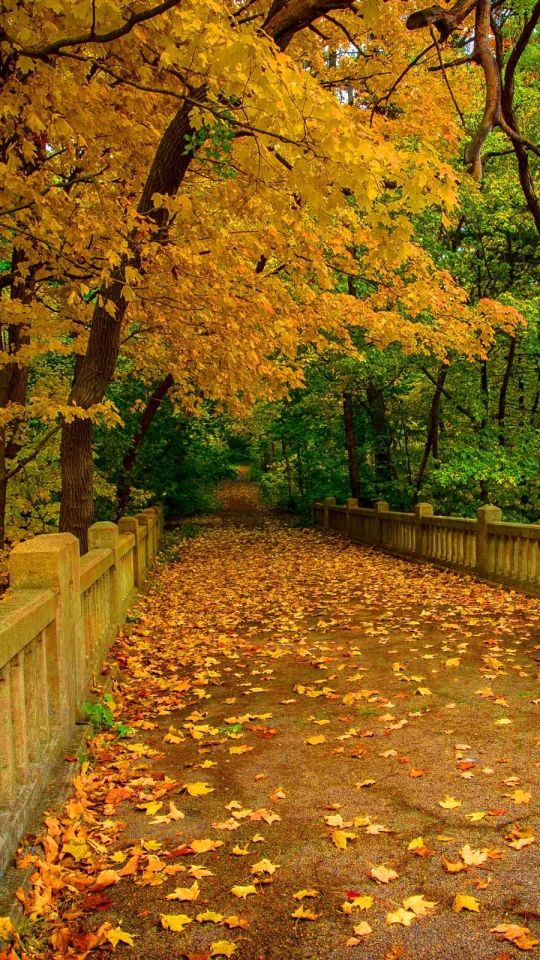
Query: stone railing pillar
{"points": [[329, 502], [104, 535], [161, 520], [153, 530], [142, 520], [420, 510], [485, 515], [130, 525], [51, 562], [381, 506], [351, 503]]}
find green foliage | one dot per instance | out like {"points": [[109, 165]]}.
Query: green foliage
{"points": [[180, 462], [101, 718]]}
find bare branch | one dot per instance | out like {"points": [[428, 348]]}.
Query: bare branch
{"points": [[41, 53]]}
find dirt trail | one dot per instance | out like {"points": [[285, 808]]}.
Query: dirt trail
{"points": [[299, 676]]}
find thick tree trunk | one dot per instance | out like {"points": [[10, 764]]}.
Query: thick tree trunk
{"points": [[350, 441], [77, 506], [168, 170], [124, 484]]}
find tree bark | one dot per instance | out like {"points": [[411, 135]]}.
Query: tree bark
{"points": [[503, 393], [384, 467], [431, 445], [166, 174], [124, 484], [350, 441]]}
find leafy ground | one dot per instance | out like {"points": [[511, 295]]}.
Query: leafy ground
{"points": [[335, 754]]}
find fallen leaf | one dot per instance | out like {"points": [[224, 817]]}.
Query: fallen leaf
{"points": [[449, 803], [464, 902], [404, 917], [198, 789], [383, 874], [243, 892], [302, 914], [118, 935], [222, 948], [175, 922]]}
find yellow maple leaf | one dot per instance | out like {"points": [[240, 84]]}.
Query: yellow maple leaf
{"points": [[185, 893], [449, 803], [301, 913], [198, 789], [174, 921], [264, 866], [404, 917], [520, 796], [419, 906], [362, 929], [222, 948], [464, 902], [383, 874], [204, 845], [241, 851], [78, 849], [340, 837], [118, 935], [313, 741], [243, 892], [6, 928], [305, 893], [199, 872], [209, 917]]}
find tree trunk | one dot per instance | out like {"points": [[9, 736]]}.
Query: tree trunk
{"points": [[168, 170], [77, 506], [384, 467], [350, 441], [431, 445], [124, 484], [501, 413]]}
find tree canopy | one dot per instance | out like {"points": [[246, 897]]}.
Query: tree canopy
{"points": [[304, 224]]}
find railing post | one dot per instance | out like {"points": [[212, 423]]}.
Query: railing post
{"points": [[314, 502], [329, 502], [104, 535], [142, 520], [51, 562], [130, 525], [158, 507], [485, 515], [420, 510], [152, 530], [381, 506], [351, 503]]}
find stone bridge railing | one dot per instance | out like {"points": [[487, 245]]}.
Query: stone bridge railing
{"points": [[57, 622], [508, 553]]}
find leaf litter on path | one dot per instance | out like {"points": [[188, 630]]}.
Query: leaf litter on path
{"points": [[253, 621]]}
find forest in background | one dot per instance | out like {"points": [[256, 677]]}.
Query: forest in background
{"points": [[302, 236]]}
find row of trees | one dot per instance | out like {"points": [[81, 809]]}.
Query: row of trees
{"points": [[205, 206]]}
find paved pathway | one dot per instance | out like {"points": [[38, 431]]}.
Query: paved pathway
{"points": [[309, 716]]}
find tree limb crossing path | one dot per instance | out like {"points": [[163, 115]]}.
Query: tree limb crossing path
{"points": [[334, 754]]}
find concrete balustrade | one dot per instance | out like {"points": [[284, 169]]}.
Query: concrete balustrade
{"points": [[62, 613], [507, 553]]}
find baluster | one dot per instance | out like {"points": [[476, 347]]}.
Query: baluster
{"points": [[31, 700], [18, 713], [7, 748]]}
